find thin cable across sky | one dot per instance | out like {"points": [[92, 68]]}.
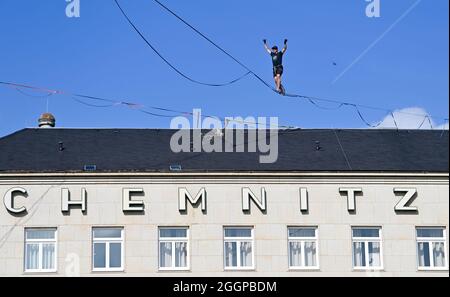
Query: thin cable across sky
{"points": [[311, 99], [80, 98], [161, 111]]}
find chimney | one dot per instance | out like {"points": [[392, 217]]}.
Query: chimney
{"points": [[47, 120]]}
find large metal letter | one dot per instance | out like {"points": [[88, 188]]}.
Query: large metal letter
{"points": [[8, 200], [184, 195], [304, 199], [66, 203], [351, 200], [132, 205], [402, 204], [248, 195]]}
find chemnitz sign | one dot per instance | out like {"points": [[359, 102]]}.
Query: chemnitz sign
{"points": [[132, 204]]}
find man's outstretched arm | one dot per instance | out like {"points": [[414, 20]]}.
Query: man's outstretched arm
{"points": [[267, 47], [285, 46]]}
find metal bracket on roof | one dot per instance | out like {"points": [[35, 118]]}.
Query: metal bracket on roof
{"points": [[90, 168], [175, 168]]}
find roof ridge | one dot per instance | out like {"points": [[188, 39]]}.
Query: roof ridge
{"points": [[12, 134]]}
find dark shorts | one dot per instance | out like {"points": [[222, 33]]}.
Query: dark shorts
{"points": [[278, 70]]}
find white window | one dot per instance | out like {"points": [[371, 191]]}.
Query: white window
{"points": [[173, 248], [431, 248], [367, 248], [303, 248], [238, 248], [40, 250], [107, 249]]}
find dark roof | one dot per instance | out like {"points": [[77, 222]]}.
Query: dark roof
{"points": [[148, 150]]}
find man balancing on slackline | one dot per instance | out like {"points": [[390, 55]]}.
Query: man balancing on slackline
{"points": [[277, 60]]}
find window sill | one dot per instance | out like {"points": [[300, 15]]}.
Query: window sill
{"points": [[174, 270], [368, 269], [109, 271], [303, 269], [40, 272], [240, 269], [444, 269]]}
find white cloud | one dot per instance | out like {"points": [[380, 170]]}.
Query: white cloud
{"points": [[411, 118]]}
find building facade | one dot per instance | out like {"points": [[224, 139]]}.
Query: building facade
{"points": [[120, 203]]}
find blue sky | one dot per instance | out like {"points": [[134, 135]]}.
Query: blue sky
{"points": [[99, 54]]}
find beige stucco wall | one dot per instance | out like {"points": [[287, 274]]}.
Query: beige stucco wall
{"points": [[327, 210]]}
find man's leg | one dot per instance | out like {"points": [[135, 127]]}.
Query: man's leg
{"points": [[278, 80]]}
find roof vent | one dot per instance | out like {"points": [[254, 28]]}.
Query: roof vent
{"points": [[90, 168], [46, 120], [175, 167]]}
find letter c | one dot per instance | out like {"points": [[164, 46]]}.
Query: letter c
{"points": [[8, 200]]}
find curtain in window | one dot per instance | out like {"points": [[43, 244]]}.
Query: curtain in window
{"points": [[165, 254], [359, 257], [310, 254], [230, 254], [374, 254], [181, 254], [439, 254], [48, 256], [423, 254], [295, 254], [32, 257], [246, 254]]}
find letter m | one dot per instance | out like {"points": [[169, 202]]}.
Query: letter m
{"points": [[184, 196]]}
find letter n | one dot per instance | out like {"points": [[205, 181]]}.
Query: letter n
{"points": [[248, 195]]}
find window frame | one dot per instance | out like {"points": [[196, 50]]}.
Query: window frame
{"points": [[173, 241], [430, 241], [238, 241], [40, 242], [366, 241], [107, 241], [303, 240]]}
